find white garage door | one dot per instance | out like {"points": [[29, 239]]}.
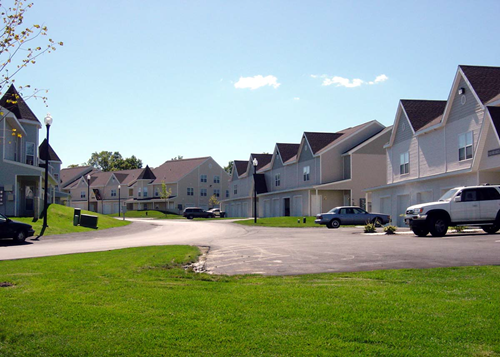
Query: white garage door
{"points": [[107, 208], [297, 206], [267, 208], [276, 207], [403, 204]]}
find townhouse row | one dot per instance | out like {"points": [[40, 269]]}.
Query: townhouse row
{"points": [[322, 171], [197, 182], [432, 146], [440, 144]]}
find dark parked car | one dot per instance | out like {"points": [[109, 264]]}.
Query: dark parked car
{"points": [[350, 215], [12, 229], [196, 212]]}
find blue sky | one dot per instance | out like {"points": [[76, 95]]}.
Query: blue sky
{"points": [[159, 79]]}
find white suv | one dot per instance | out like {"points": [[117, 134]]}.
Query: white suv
{"points": [[471, 206]]}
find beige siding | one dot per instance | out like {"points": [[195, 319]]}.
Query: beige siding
{"points": [[404, 130], [459, 110], [432, 151]]}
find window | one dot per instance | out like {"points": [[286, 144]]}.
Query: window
{"points": [[307, 171], [145, 192], [30, 153], [216, 192], [190, 191], [235, 189], [139, 192], [130, 192], [83, 194], [277, 180], [488, 194], [465, 146], [157, 192], [113, 193], [404, 163], [216, 179], [469, 195], [203, 192], [227, 193], [203, 178]]}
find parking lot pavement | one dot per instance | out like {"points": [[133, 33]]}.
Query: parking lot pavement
{"points": [[236, 249]]}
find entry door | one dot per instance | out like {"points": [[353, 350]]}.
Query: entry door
{"points": [[267, 208], [286, 203], [276, 207], [467, 208]]}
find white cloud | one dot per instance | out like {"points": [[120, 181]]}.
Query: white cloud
{"points": [[348, 83], [296, 98], [256, 82]]}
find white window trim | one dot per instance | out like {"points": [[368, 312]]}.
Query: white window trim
{"points": [[404, 163], [471, 145]]}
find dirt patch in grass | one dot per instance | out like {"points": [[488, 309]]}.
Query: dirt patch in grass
{"points": [[5, 284]]}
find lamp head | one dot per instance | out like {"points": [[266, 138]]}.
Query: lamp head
{"points": [[48, 119], [88, 177], [255, 162]]}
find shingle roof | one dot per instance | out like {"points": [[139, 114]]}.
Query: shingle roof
{"points": [[287, 151], [319, 141], [174, 170], [495, 117], [241, 167], [262, 159], [72, 174], [422, 113], [19, 107], [484, 80], [52, 154]]}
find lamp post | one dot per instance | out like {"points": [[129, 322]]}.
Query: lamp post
{"points": [[48, 123], [88, 192], [254, 163], [119, 203]]}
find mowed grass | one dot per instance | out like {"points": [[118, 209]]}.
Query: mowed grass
{"points": [[60, 221], [148, 214], [140, 301], [289, 222]]}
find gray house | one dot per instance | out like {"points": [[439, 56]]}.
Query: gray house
{"points": [[21, 177]]}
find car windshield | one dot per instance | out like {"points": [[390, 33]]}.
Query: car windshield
{"points": [[334, 210], [448, 195]]}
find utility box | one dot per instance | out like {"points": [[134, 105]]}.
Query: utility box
{"points": [[86, 220], [78, 213]]}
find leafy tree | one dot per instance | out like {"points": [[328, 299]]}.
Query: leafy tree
{"points": [[229, 167], [213, 201], [72, 166], [165, 193], [178, 157], [113, 161], [21, 45]]}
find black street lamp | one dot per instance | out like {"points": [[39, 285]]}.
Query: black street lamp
{"points": [[48, 123], [255, 163], [88, 192], [119, 205]]}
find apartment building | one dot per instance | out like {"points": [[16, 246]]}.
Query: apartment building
{"points": [[22, 168], [438, 145], [323, 171]]}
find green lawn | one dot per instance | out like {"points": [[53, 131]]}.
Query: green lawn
{"points": [[281, 222], [60, 221], [148, 214], [141, 302]]}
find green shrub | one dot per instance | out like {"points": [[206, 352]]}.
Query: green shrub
{"points": [[390, 229], [370, 228], [459, 229]]}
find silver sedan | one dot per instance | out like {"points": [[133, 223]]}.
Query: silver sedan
{"points": [[350, 215]]}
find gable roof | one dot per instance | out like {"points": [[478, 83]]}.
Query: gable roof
{"points": [[319, 141], [19, 106], [241, 166], [69, 175], [262, 159], [146, 174], [484, 80], [174, 170], [52, 154], [422, 113], [287, 151]]}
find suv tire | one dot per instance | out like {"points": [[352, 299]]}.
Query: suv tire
{"points": [[491, 229], [421, 232], [189, 217], [438, 225]]}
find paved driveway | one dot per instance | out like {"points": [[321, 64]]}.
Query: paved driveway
{"points": [[236, 249]]}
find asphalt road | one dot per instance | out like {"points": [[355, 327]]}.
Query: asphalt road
{"points": [[236, 249]]}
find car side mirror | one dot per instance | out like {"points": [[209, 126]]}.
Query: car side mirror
{"points": [[458, 199]]}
